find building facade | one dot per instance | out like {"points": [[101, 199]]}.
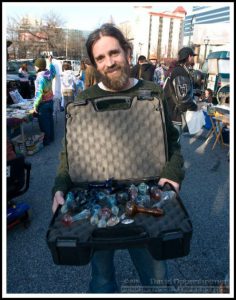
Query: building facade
{"points": [[208, 29], [157, 34]]}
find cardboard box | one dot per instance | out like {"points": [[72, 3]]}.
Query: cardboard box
{"points": [[32, 145]]}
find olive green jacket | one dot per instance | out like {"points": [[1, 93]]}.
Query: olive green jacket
{"points": [[173, 169]]}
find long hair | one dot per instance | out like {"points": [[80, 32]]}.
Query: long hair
{"points": [[172, 65], [24, 67], [82, 65], [106, 29]]}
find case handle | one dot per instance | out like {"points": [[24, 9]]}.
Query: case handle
{"points": [[112, 103], [119, 235]]}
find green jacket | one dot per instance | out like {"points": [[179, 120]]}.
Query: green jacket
{"points": [[173, 169]]}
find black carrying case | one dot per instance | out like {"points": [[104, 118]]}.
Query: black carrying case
{"points": [[121, 138]]}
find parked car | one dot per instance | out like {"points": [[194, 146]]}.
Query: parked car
{"points": [[13, 67], [217, 70]]}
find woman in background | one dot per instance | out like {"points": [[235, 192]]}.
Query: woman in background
{"points": [[24, 82]]}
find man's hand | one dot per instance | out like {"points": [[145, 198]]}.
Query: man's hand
{"points": [[162, 181], [57, 200], [35, 111]]}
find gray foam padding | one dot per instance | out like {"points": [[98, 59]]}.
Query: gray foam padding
{"points": [[121, 143]]}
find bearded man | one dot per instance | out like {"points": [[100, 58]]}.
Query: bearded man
{"points": [[110, 54]]}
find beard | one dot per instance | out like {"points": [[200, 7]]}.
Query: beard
{"points": [[116, 81]]}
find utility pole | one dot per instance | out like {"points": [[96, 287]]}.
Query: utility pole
{"points": [[149, 36], [206, 42], [66, 41]]}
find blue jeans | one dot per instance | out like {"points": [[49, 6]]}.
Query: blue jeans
{"points": [[103, 280], [68, 96], [46, 122]]}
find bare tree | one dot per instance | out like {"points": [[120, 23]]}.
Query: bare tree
{"points": [[126, 29], [53, 32], [31, 37]]}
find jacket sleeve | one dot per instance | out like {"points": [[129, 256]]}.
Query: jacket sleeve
{"points": [[62, 180], [174, 168], [52, 70], [184, 93], [39, 87]]}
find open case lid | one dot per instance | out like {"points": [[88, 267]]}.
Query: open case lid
{"points": [[122, 142]]}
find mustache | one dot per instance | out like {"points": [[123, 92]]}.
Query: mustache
{"points": [[112, 69]]}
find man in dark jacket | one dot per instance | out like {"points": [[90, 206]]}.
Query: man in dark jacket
{"points": [[179, 89], [143, 69]]}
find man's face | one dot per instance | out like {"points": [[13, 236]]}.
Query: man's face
{"points": [[112, 63], [191, 60], [153, 61], [206, 93]]}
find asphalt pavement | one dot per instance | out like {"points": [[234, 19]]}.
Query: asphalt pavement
{"points": [[205, 194]]}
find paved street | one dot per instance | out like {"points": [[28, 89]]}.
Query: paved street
{"points": [[205, 193]]}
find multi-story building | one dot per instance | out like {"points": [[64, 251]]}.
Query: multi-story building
{"points": [[208, 29], [158, 34]]}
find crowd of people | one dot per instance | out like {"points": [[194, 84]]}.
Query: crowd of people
{"points": [[181, 85], [176, 81], [106, 72], [54, 81]]}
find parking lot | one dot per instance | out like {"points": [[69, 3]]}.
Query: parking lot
{"points": [[205, 194]]}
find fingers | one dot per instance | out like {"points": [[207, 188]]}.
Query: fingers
{"points": [[54, 206], [57, 200], [174, 184]]}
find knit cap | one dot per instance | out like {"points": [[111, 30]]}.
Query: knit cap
{"points": [[40, 63]]}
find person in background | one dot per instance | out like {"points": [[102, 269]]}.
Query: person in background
{"points": [[171, 67], [143, 69], [56, 85], [24, 82], [68, 83], [158, 76], [82, 71], [91, 75], [207, 97], [43, 100], [110, 54], [179, 89], [153, 60]]}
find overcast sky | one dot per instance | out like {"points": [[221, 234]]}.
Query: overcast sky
{"points": [[86, 15]]}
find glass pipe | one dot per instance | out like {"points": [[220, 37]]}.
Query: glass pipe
{"points": [[68, 219], [132, 209], [143, 188], [143, 200], [166, 196], [96, 211], [69, 202], [133, 192], [111, 200], [122, 197], [155, 193], [105, 215]]}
